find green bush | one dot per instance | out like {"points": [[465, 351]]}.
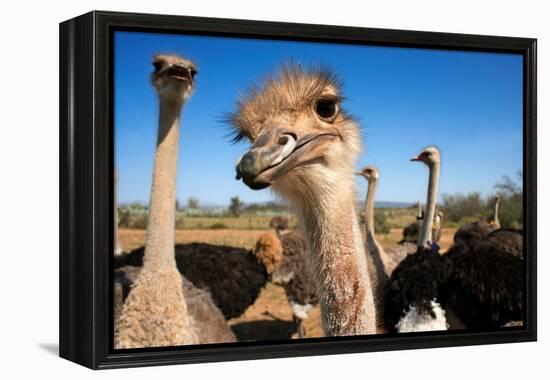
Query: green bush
{"points": [[218, 226], [459, 206], [132, 221], [381, 225]]}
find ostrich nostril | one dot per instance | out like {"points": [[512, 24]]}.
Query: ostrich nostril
{"points": [[284, 139]]}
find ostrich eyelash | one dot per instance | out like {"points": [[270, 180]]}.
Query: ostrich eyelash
{"points": [[236, 137]]}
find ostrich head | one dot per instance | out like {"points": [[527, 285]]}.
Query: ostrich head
{"points": [[497, 198], [369, 172], [302, 139], [280, 223], [429, 156], [173, 77]]}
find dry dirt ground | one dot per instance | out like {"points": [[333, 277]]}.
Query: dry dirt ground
{"points": [[270, 317]]}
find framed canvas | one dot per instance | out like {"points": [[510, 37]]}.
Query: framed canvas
{"points": [[235, 189]]}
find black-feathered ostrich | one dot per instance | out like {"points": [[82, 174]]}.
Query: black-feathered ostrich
{"points": [[295, 273], [477, 286], [233, 276], [508, 240]]}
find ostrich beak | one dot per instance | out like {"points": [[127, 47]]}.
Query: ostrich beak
{"points": [[420, 157], [275, 152]]}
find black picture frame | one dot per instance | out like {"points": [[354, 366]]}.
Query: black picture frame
{"points": [[86, 187]]}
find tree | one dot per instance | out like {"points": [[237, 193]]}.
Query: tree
{"points": [[458, 207], [511, 209], [235, 206], [193, 203]]}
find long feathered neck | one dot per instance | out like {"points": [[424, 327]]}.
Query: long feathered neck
{"points": [[496, 220], [341, 276], [159, 247], [118, 248], [373, 247], [433, 187]]}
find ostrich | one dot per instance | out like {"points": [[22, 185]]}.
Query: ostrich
{"points": [[389, 258], [382, 261], [155, 313], [476, 231], [475, 286], [294, 274], [233, 276], [279, 223], [410, 232], [305, 146]]}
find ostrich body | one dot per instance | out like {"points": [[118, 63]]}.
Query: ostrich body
{"points": [[155, 312], [233, 276], [477, 285], [305, 147], [509, 241], [207, 320]]}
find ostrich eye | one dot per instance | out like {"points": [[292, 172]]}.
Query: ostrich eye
{"points": [[157, 65], [326, 108]]}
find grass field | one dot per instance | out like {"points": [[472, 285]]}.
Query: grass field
{"points": [[244, 222], [131, 239], [395, 218], [270, 317]]}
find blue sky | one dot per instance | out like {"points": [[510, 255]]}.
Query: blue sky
{"points": [[469, 104]]}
